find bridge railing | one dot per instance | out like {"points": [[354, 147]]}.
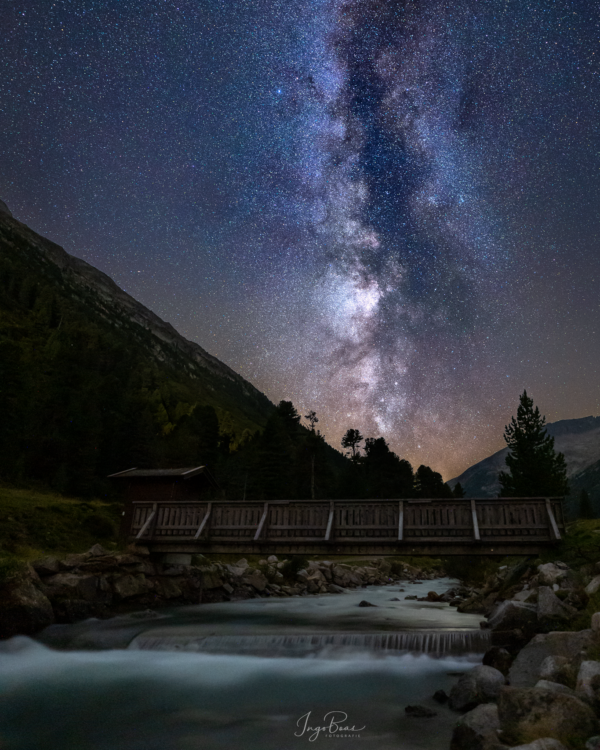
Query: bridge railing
{"points": [[351, 521]]}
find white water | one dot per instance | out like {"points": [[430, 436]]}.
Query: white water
{"points": [[241, 675]]}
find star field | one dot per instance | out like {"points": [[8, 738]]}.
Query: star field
{"points": [[385, 211]]}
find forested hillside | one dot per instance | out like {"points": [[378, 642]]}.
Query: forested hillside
{"points": [[91, 382]]}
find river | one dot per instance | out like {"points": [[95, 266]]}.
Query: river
{"points": [[261, 674]]}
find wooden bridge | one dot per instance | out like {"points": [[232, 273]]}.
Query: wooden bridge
{"points": [[515, 526]]}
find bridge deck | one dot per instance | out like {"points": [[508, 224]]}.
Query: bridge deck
{"points": [[410, 527]]}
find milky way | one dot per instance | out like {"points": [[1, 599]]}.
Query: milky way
{"points": [[385, 211]]}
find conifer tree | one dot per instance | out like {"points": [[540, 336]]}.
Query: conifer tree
{"points": [[535, 469], [458, 490], [585, 505]]}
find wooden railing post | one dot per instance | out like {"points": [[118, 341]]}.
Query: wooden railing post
{"points": [[551, 520], [475, 521], [205, 522], [147, 522], [329, 522], [401, 520], [262, 522]]}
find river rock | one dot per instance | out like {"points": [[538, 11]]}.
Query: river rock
{"points": [[255, 579], [544, 743], [97, 551], [525, 669], [24, 609], [550, 607], [420, 712], [365, 603], [511, 615], [558, 669], [477, 729], [593, 586], [499, 658], [210, 579], [333, 589], [480, 685], [71, 586], [588, 682], [171, 588], [526, 595], [73, 561], [550, 573], [558, 687], [128, 586], [46, 566], [527, 714]]}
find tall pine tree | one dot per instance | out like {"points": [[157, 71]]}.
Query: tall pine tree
{"points": [[535, 469]]}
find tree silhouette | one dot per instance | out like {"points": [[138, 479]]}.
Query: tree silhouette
{"points": [[535, 469], [429, 483], [351, 440], [585, 505], [312, 419], [458, 490]]}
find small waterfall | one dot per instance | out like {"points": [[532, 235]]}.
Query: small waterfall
{"points": [[449, 642]]}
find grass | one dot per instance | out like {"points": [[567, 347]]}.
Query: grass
{"points": [[35, 523]]}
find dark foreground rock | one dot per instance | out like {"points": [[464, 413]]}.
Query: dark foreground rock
{"points": [[526, 669], [478, 729], [528, 714], [480, 685], [24, 608], [420, 712]]}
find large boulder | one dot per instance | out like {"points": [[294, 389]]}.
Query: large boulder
{"points": [[128, 586], [511, 615], [550, 608], [480, 685], [46, 566], [525, 670], [527, 714], [477, 729], [71, 586], [24, 609]]}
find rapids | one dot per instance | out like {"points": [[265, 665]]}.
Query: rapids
{"points": [[262, 674]]}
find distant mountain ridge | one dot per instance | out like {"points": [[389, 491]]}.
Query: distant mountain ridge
{"points": [[577, 439], [101, 295]]}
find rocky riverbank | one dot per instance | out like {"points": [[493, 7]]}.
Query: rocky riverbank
{"points": [[539, 685], [100, 584]]}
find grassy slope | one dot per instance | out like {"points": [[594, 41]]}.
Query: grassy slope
{"points": [[35, 523]]}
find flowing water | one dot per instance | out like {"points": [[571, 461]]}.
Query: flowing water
{"points": [[262, 674]]}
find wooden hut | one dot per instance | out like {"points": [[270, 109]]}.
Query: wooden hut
{"points": [[163, 485]]}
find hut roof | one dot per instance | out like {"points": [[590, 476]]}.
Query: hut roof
{"points": [[187, 473]]}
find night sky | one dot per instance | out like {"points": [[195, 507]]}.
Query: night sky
{"points": [[387, 212]]}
